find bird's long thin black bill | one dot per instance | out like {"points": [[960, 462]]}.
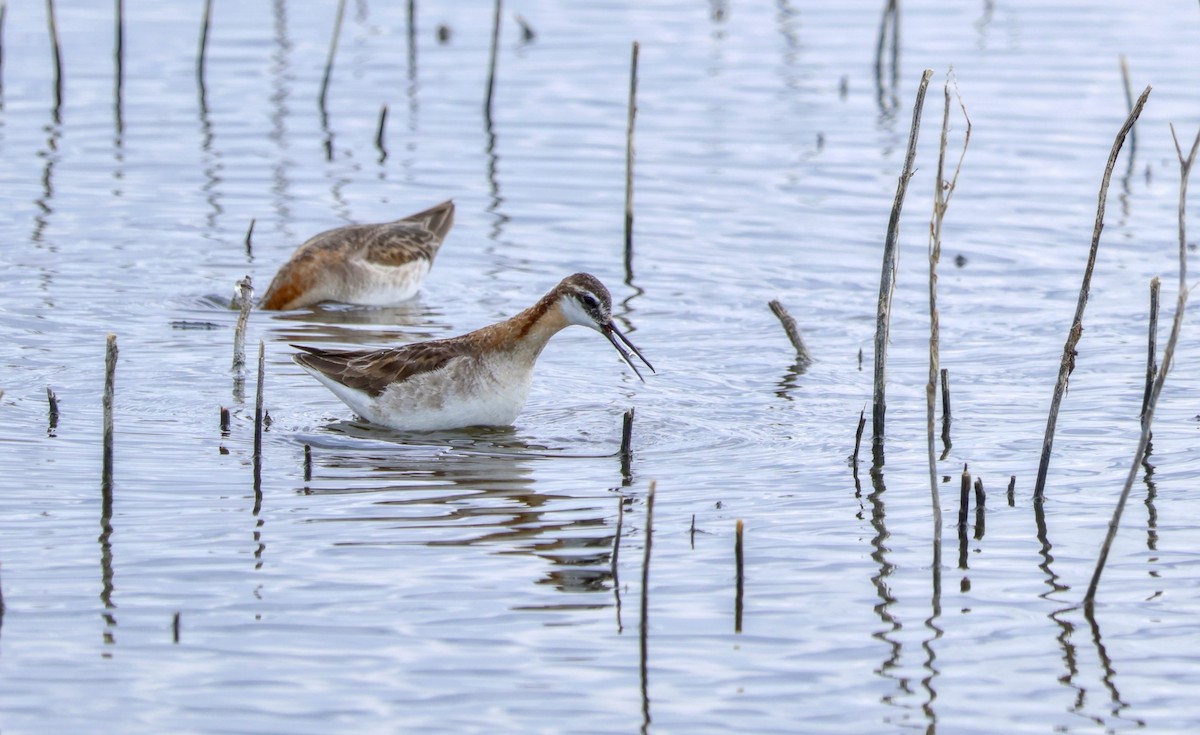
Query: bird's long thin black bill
{"points": [[611, 331]]}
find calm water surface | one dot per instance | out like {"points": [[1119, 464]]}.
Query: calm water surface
{"points": [[466, 581]]}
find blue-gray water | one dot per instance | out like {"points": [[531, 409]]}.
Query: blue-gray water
{"points": [[462, 582]]}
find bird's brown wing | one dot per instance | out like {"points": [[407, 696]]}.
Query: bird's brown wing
{"points": [[418, 235], [372, 371]]}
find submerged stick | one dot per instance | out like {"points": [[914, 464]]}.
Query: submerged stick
{"points": [[632, 116], [1151, 358], [110, 377], [1076, 331], [1185, 170], [887, 281], [57, 48], [803, 356], [333, 44], [53, 401], [616, 552], [491, 78], [738, 555]]}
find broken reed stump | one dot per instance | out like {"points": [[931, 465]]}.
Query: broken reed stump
{"points": [[249, 235], [627, 445], [1076, 330], [307, 462], [110, 377], [379, 131], [803, 356], [1185, 169], [1151, 358], [175, 626], [887, 280], [258, 405], [739, 557], [862, 423], [632, 117], [245, 298], [1012, 491], [964, 499], [224, 421], [53, 401], [946, 408]]}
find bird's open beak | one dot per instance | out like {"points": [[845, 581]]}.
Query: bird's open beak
{"points": [[610, 330]]}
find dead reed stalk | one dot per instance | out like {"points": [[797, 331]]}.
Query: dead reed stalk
{"points": [[739, 557], [632, 117], [1151, 357], [119, 65], [1076, 331], [53, 401], [202, 52], [110, 378], [379, 131], [1185, 169], [943, 190], [887, 281], [57, 48], [258, 404], [627, 444], [245, 298], [333, 44], [491, 78], [964, 499]]}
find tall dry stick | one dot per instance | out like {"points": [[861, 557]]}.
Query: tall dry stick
{"points": [[119, 65], [943, 190], [333, 44], [1076, 331], [887, 281], [57, 47], [633, 84], [803, 356], [1185, 169], [491, 78], [202, 54], [110, 379]]}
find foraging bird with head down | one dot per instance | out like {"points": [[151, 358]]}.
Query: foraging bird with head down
{"points": [[369, 265], [477, 379]]}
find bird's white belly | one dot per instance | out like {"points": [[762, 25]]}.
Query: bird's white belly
{"points": [[371, 284], [464, 393]]}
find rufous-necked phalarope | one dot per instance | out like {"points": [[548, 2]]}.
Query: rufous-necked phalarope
{"points": [[370, 265], [478, 379]]}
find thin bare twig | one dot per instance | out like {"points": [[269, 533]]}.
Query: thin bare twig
{"points": [[1185, 169], [887, 281], [1076, 331]]}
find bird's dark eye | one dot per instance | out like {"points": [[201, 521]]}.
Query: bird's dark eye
{"points": [[589, 300]]}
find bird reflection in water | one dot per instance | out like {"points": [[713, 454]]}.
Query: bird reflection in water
{"points": [[467, 488]]}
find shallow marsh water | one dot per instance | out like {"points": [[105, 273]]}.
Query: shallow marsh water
{"points": [[463, 581]]}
